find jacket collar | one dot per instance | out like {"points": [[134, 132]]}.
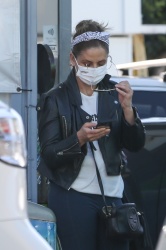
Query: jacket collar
{"points": [[107, 101], [73, 89]]}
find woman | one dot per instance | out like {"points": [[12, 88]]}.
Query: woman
{"points": [[88, 108]]}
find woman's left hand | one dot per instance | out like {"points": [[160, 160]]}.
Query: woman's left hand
{"points": [[125, 94]]}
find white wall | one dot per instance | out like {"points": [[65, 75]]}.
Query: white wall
{"points": [[107, 11], [124, 16], [121, 51]]}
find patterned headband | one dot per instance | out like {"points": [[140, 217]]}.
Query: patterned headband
{"points": [[90, 35]]}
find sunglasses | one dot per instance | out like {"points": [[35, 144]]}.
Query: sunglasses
{"points": [[103, 90]]}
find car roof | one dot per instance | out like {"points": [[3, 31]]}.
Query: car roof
{"points": [[142, 83]]}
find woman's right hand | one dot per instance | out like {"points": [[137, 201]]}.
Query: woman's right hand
{"points": [[89, 132]]}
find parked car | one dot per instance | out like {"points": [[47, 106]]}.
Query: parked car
{"points": [[146, 184], [44, 221], [16, 230]]}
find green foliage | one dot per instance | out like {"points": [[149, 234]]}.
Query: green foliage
{"points": [[155, 49], [154, 11], [155, 46]]}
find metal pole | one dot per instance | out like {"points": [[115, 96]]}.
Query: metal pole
{"points": [[64, 37], [32, 97], [25, 102]]}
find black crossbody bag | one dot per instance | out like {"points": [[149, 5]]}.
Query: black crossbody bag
{"points": [[122, 222]]}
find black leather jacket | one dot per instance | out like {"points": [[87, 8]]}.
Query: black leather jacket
{"points": [[59, 119]]}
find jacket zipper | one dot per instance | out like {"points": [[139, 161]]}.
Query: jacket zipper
{"points": [[117, 115], [64, 151], [64, 125], [121, 163]]}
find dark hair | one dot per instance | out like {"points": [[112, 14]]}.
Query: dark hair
{"points": [[85, 26]]}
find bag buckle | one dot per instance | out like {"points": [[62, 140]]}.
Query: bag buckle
{"points": [[107, 210]]}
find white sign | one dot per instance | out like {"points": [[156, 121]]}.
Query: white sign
{"points": [[50, 38]]}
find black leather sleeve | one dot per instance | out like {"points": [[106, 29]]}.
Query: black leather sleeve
{"points": [[54, 148], [133, 136]]}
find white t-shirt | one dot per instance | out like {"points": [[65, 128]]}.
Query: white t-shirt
{"points": [[87, 181]]}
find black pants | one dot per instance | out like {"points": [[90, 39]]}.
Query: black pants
{"points": [[78, 224]]}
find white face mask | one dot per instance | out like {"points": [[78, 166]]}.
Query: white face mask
{"points": [[91, 76]]}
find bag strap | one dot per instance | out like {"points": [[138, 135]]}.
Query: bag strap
{"points": [[92, 147]]}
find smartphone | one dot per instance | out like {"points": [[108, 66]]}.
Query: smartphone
{"points": [[103, 125]]}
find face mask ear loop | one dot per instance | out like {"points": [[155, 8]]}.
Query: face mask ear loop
{"points": [[76, 68], [117, 71], [112, 63]]}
